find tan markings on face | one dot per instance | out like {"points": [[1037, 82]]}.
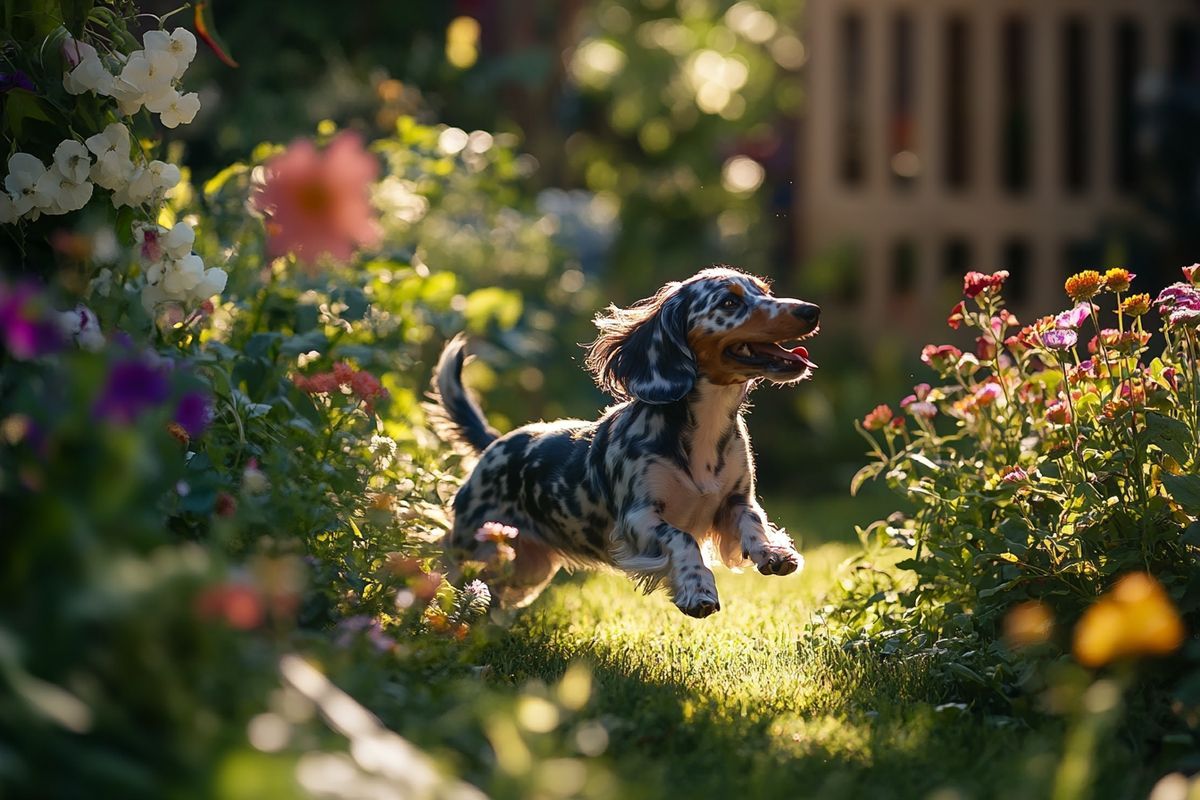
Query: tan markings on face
{"points": [[709, 346], [737, 289]]}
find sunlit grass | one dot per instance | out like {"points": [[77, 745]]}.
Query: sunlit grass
{"points": [[744, 704]]}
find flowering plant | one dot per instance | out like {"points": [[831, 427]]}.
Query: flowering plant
{"points": [[1056, 460]]}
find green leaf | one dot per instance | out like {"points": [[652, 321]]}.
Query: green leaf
{"points": [[21, 106], [1169, 435], [1184, 490], [863, 475], [313, 340], [75, 14]]}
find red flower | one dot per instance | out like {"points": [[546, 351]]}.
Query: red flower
{"points": [[238, 604], [1059, 413], [985, 348], [343, 372], [976, 283], [956, 315]]}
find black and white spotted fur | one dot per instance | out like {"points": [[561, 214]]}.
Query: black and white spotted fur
{"points": [[662, 473]]}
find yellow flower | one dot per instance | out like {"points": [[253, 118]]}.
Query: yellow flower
{"points": [[1118, 279], [1135, 618], [1028, 624], [1135, 305], [1084, 285]]}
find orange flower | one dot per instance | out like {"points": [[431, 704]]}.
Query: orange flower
{"points": [[178, 433], [1028, 624], [1135, 305], [317, 202], [1118, 279], [878, 418], [1084, 285], [1135, 618]]}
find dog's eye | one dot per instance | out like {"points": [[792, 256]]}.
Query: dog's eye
{"points": [[730, 301]]}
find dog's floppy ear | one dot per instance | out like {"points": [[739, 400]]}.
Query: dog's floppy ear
{"points": [[642, 351]]}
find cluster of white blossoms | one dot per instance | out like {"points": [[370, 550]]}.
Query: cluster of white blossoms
{"points": [[82, 327], [33, 188], [174, 274], [148, 77]]}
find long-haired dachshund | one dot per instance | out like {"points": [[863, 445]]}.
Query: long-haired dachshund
{"points": [[665, 471]]}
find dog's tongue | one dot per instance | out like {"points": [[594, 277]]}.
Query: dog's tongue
{"points": [[798, 355], [801, 355]]}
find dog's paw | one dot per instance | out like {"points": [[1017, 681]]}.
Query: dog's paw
{"points": [[697, 600], [777, 559]]}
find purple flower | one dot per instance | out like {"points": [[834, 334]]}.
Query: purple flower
{"points": [[1060, 339], [133, 387], [27, 333], [1178, 294], [1184, 316], [1074, 318], [16, 80], [922, 408], [193, 413]]}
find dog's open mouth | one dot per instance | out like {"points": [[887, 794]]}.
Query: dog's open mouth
{"points": [[771, 357]]}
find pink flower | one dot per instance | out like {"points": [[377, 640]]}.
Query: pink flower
{"points": [[878, 418], [985, 348], [987, 394], [317, 202], [919, 408], [1060, 339], [941, 357], [1059, 413], [496, 532], [1074, 318]]}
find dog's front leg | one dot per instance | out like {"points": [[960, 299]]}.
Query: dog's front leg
{"points": [[693, 586], [771, 550]]}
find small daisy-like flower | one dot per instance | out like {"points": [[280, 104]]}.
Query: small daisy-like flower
{"points": [[1084, 285], [976, 283], [1118, 279], [1135, 305], [1060, 339], [878, 418]]}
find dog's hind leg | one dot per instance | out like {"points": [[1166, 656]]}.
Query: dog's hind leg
{"points": [[531, 572]]}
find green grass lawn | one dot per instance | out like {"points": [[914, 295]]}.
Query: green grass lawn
{"points": [[743, 704]]}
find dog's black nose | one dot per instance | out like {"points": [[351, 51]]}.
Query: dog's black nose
{"points": [[807, 312]]}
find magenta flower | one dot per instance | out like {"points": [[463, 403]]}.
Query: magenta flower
{"points": [[1074, 318], [1060, 339], [1014, 474], [25, 330]]}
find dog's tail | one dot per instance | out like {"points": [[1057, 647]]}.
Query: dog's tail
{"points": [[452, 412]]}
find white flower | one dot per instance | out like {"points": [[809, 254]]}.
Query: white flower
{"points": [[180, 43], [24, 172], [90, 74], [58, 193], [72, 160], [165, 176], [112, 170], [182, 275], [113, 139], [8, 212], [178, 241], [101, 284], [152, 296], [212, 283], [137, 189], [128, 97], [148, 72], [82, 326], [181, 110], [75, 51]]}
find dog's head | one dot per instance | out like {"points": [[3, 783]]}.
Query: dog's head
{"points": [[721, 324]]}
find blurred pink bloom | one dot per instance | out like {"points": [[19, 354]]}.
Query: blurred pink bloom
{"points": [[1013, 474], [317, 202], [988, 393]]}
